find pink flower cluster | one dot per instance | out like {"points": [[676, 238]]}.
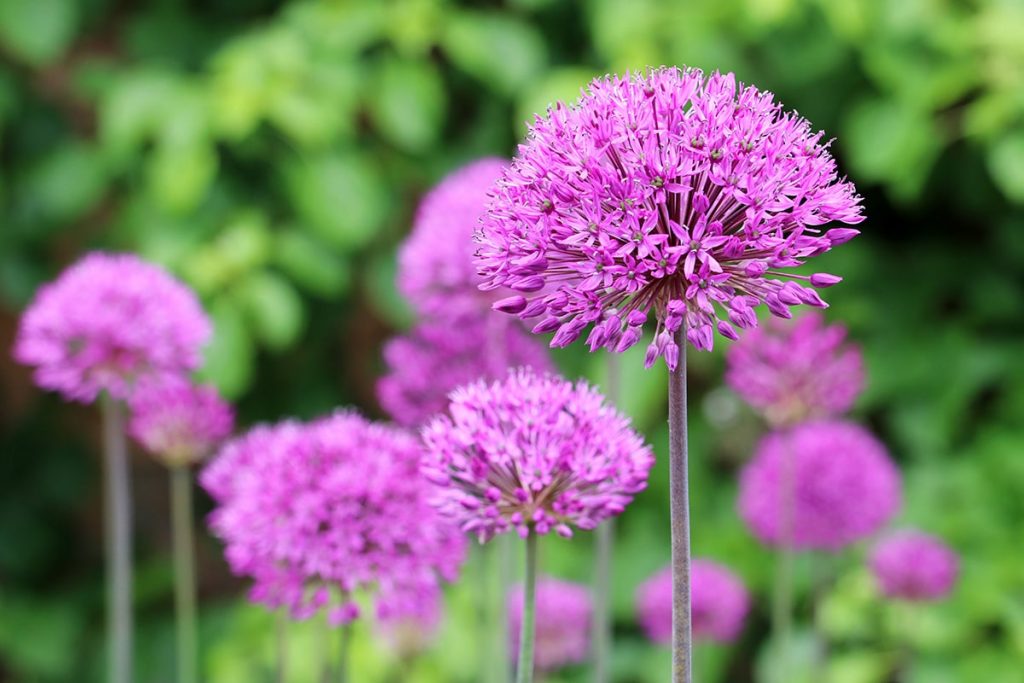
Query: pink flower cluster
{"points": [[177, 422], [107, 322], [796, 370], [669, 192], [913, 565], [314, 512], [563, 623], [720, 603], [533, 452], [845, 487]]}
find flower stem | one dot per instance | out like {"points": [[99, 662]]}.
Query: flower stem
{"points": [[184, 572], [782, 605], [118, 522], [524, 671], [281, 644], [501, 632], [682, 645], [602, 629], [344, 644]]}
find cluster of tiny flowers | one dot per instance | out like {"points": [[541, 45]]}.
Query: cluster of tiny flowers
{"points": [[912, 565], [532, 452], [435, 264], [178, 422], [796, 370], [563, 623], [670, 192], [313, 512], [720, 603], [844, 485], [108, 321], [424, 366]]}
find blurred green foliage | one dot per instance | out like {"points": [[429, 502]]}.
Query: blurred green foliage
{"points": [[272, 153]]}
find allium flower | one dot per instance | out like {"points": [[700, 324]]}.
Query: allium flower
{"points": [[719, 600], [671, 192], [912, 565], [845, 486], [425, 365], [435, 264], [108, 321], [796, 370], [408, 621], [563, 623], [313, 512], [534, 452], [177, 422]]}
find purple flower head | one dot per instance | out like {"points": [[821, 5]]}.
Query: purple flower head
{"points": [[435, 264], [674, 193], [408, 618], [563, 623], [719, 603], [108, 321], [533, 452], [177, 422], [912, 565], [796, 370], [314, 512], [845, 486], [433, 359]]}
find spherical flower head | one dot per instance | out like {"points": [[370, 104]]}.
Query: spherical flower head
{"points": [[532, 452], [912, 565], [108, 321], [671, 193], [314, 512], [796, 370], [719, 603], [435, 264], [562, 623], [177, 422], [425, 365], [844, 486]]}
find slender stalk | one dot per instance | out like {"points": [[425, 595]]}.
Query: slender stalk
{"points": [[605, 540], [184, 572], [493, 655], [118, 546], [524, 671], [344, 645], [281, 644], [682, 638], [782, 604], [502, 661]]}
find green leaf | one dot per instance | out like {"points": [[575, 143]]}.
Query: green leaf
{"points": [[559, 85], [134, 108], [275, 309], [408, 103], [180, 175], [67, 182], [1006, 164], [311, 265], [229, 358], [37, 31], [499, 50]]}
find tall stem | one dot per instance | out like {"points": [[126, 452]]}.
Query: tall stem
{"points": [[118, 523], [184, 572], [281, 644], [344, 644], [782, 606], [527, 633], [682, 640], [602, 628], [502, 661]]}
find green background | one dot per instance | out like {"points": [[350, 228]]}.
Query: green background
{"points": [[272, 154]]}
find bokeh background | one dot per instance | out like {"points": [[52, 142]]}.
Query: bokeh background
{"points": [[272, 154]]}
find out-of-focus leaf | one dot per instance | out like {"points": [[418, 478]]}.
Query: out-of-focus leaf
{"points": [[68, 182], [379, 277], [244, 245], [37, 31], [408, 103], [1006, 163], [229, 358], [275, 309], [38, 637], [180, 175], [558, 85], [499, 50], [310, 264], [133, 109]]}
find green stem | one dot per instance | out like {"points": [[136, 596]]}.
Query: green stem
{"points": [[281, 643], [782, 604], [679, 502], [184, 572], [605, 540], [502, 661], [524, 671], [344, 645], [118, 541]]}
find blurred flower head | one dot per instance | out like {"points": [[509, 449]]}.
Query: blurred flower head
{"points": [[107, 322], [719, 603], [533, 452], [796, 370], [435, 264], [314, 512], [408, 619], [177, 422], [913, 565], [668, 192], [562, 623], [844, 486], [425, 365]]}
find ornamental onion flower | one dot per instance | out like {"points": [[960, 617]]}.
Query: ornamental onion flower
{"points": [[435, 264], [177, 422], [563, 622], [107, 322], [532, 452], [671, 193], [796, 370], [845, 486], [913, 565], [720, 603], [433, 359], [314, 512]]}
